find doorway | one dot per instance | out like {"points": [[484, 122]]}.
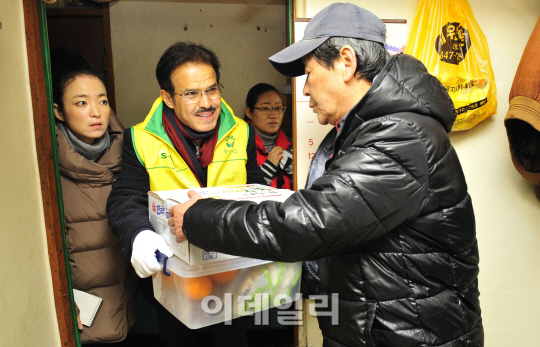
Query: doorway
{"points": [[86, 31], [68, 26]]}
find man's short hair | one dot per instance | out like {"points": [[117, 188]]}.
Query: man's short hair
{"points": [[181, 53], [371, 56]]}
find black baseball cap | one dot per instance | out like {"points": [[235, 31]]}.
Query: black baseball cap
{"points": [[342, 20]]}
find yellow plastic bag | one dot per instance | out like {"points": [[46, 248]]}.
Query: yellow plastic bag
{"points": [[447, 39]]}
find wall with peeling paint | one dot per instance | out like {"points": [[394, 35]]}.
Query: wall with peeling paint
{"points": [[242, 35]]}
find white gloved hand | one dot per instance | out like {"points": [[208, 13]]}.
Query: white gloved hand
{"points": [[143, 257]]}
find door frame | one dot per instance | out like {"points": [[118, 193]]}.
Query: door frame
{"points": [[33, 11], [39, 82]]}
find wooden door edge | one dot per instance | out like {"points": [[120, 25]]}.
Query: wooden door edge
{"points": [[46, 172]]}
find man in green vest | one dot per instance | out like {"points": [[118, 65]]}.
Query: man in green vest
{"points": [[189, 139]]}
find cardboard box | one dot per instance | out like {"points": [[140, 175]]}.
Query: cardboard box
{"points": [[243, 286], [160, 202]]}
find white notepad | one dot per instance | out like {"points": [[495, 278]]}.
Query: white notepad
{"points": [[88, 304]]}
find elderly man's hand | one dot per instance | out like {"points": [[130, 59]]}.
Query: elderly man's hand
{"points": [[176, 215]]}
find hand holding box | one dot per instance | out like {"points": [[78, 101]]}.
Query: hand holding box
{"points": [[176, 215]]}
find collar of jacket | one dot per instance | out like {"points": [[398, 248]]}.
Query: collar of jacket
{"points": [[153, 122], [403, 85], [281, 140], [104, 170]]}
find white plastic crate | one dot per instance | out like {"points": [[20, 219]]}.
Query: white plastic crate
{"points": [[212, 293]]}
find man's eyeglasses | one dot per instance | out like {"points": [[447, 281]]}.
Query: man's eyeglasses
{"points": [[267, 110], [193, 97]]}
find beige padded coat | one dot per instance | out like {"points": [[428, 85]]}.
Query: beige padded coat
{"points": [[96, 261]]}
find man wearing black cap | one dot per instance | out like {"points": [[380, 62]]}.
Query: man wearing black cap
{"points": [[386, 211]]}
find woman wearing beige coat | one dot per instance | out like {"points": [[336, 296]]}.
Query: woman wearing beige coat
{"points": [[90, 144]]}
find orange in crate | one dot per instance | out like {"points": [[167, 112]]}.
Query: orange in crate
{"points": [[223, 277], [196, 288]]}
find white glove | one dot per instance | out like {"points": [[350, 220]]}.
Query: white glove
{"points": [[143, 257]]}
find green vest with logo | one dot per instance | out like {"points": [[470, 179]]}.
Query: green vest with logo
{"points": [[168, 170]]}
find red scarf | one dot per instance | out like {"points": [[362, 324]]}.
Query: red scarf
{"points": [[262, 155], [206, 150]]}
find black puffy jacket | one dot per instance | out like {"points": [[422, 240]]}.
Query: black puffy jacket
{"points": [[390, 220]]}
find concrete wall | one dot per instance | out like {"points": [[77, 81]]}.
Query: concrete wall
{"points": [[243, 34], [26, 300], [507, 213]]}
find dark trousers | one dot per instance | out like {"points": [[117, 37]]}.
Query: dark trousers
{"points": [[173, 333]]}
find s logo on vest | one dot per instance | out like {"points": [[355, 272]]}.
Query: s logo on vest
{"points": [[164, 155]]}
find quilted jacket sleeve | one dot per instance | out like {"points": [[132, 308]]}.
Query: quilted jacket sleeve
{"points": [[127, 205], [372, 187]]}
